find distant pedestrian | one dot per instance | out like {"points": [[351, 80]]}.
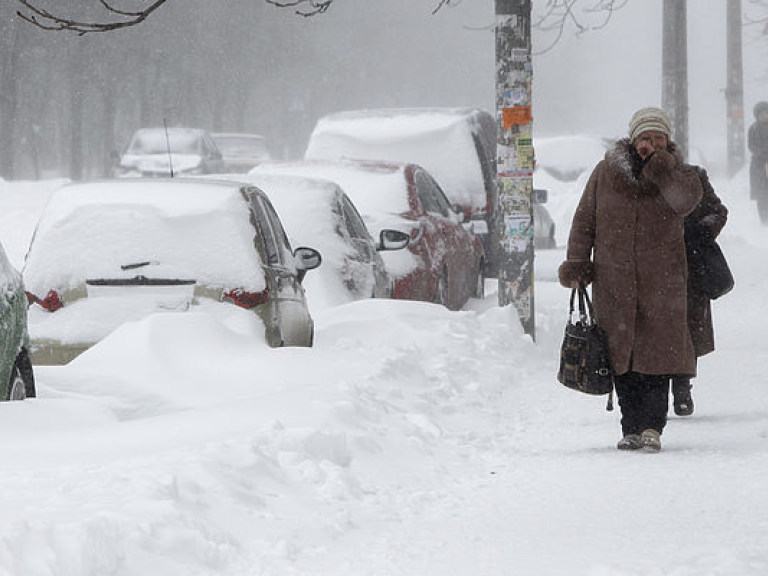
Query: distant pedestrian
{"points": [[701, 225], [627, 239], [757, 140]]}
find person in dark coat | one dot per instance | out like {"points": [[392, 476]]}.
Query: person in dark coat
{"points": [[757, 140], [702, 225], [627, 240]]}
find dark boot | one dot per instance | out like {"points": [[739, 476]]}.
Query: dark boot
{"points": [[681, 394]]}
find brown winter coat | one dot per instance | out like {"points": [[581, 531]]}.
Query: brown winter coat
{"points": [[704, 223], [627, 237]]}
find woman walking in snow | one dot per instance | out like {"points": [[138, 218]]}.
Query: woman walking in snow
{"points": [[627, 238], [702, 225]]}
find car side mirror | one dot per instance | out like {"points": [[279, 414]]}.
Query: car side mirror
{"points": [[392, 240], [306, 259], [459, 211], [540, 196]]}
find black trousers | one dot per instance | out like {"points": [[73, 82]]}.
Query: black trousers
{"points": [[644, 399]]}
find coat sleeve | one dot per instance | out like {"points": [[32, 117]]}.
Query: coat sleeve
{"points": [[752, 139], [757, 140], [678, 183], [578, 265], [709, 217]]}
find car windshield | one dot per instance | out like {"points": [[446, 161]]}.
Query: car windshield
{"points": [[241, 146], [155, 142]]}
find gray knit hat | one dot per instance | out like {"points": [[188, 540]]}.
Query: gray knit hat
{"points": [[649, 119]]}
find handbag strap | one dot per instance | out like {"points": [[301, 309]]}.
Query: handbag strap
{"points": [[586, 312]]}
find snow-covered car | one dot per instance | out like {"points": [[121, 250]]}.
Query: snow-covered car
{"points": [[565, 158], [543, 224], [457, 146], [17, 380], [161, 152], [443, 262], [241, 152], [318, 212], [108, 252]]}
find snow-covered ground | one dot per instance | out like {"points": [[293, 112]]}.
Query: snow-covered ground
{"points": [[409, 441]]}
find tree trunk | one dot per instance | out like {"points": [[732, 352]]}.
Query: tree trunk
{"points": [[734, 92], [76, 101], [674, 91], [108, 128], [9, 69]]}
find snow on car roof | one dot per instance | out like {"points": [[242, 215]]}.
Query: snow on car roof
{"points": [[184, 228], [304, 207], [378, 191], [439, 140], [302, 204]]}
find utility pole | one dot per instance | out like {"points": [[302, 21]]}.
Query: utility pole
{"points": [[734, 91], [674, 70], [514, 157]]}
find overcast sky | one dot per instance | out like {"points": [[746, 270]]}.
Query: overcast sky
{"points": [[592, 83]]}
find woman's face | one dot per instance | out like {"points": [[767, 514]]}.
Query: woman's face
{"points": [[762, 116], [650, 141]]}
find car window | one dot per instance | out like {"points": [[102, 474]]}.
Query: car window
{"points": [[430, 194], [283, 245], [266, 230], [354, 221], [210, 147], [158, 142], [486, 165]]}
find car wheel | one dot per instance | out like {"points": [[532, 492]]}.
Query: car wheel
{"points": [[480, 286], [27, 373], [441, 292], [16, 385]]}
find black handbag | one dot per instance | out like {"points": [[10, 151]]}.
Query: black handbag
{"points": [[584, 361], [708, 271]]}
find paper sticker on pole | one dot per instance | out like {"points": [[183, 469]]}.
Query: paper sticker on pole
{"points": [[517, 116]]}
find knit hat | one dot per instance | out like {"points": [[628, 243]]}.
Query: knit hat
{"points": [[649, 119]]}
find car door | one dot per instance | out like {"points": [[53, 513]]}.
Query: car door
{"points": [[13, 316], [369, 275], [451, 249], [290, 311]]}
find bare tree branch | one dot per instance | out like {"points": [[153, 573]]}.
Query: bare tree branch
{"points": [[48, 20], [558, 15], [315, 6]]}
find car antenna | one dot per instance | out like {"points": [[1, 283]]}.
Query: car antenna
{"points": [[168, 143]]}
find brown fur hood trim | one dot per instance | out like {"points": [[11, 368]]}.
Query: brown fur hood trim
{"points": [[624, 164]]}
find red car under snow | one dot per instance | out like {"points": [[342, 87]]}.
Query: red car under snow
{"points": [[443, 262]]}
